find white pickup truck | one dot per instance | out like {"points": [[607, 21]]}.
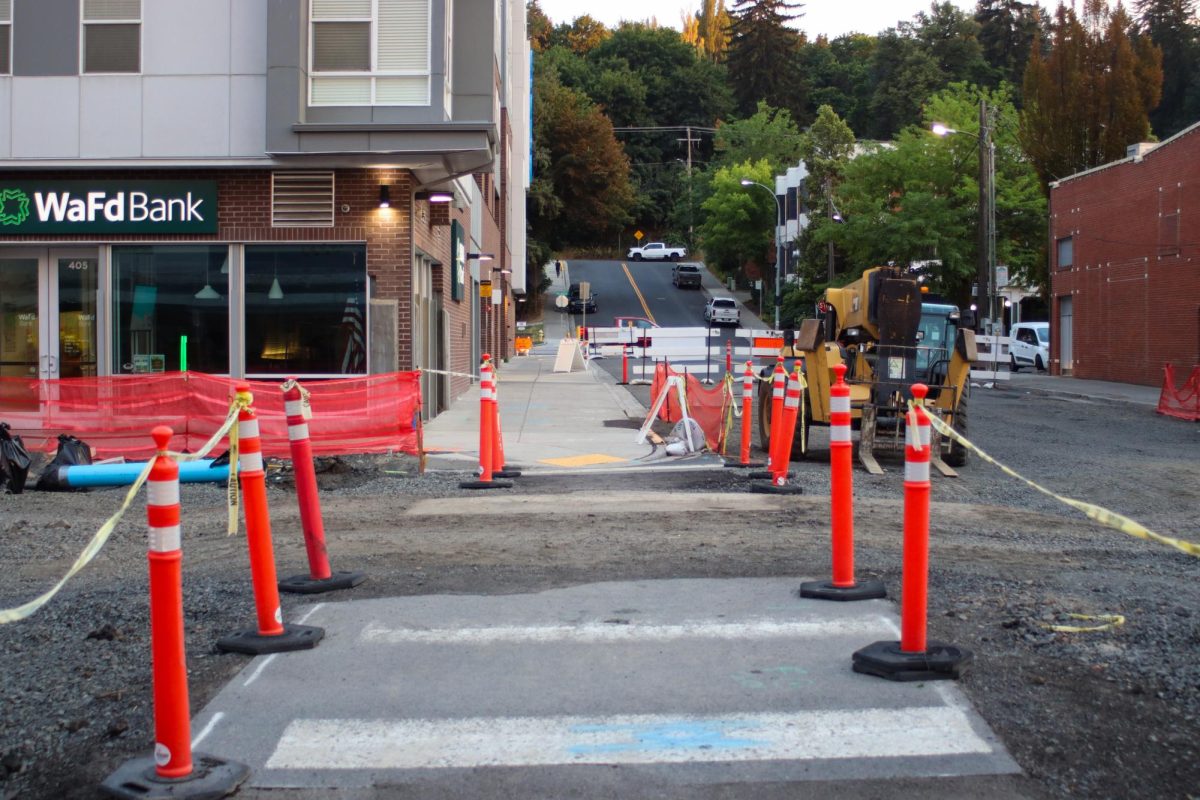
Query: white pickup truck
{"points": [[656, 251]]}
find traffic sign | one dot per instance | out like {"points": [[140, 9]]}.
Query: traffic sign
{"points": [[638, 235]]}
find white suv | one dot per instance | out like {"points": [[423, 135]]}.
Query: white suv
{"points": [[1029, 345], [723, 311]]}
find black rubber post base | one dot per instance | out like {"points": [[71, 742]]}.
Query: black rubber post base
{"points": [[751, 465], [507, 473], [939, 662], [252, 643], [485, 485], [211, 778], [305, 584], [771, 488], [861, 590], [767, 475]]}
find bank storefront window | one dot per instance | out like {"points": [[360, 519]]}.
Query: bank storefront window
{"points": [[163, 293], [306, 309]]}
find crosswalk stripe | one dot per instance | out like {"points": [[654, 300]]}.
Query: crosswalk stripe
{"points": [[592, 632], [313, 744]]}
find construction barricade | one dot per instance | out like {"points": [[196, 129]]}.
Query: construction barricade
{"points": [[710, 406], [368, 414], [1184, 402]]}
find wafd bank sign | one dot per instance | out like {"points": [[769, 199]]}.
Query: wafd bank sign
{"points": [[108, 207]]}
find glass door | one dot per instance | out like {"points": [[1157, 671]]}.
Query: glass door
{"points": [[48, 313], [22, 323], [73, 290]]}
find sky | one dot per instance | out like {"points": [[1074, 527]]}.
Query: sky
{"points": [[830, 17]]}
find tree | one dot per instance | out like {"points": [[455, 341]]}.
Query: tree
{"points": [[1090, 96], [740, 223], [918, 200], [1007, 31], [769, 134], [586, 34], [713, 23], [904, 73], [582, 195], [538, 26], [952, 38], [1171, 25], [762, 55]]}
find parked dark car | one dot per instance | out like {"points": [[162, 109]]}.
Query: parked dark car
{"points": [[575, 305]]}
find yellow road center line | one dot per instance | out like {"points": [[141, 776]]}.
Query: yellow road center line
{"points": [[638, 292]]}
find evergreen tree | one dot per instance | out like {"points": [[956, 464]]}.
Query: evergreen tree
{"points": [[1090, 96], [763, 55], [1007, 31], [1172, 26]]}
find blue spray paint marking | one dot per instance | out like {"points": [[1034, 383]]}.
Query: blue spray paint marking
{"points": [[683, 735]]}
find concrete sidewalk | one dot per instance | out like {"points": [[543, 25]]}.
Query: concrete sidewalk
{"points": [[1098, 391]]}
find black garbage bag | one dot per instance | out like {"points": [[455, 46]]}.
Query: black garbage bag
{"points": [[14, 461], [71, 453]]}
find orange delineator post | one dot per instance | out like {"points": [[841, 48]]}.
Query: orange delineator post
{"points": [[915, 585], [728, 356], [320, 577], [914, 658], [791, 411], [624, 365], [499, 468], [172, 715], [173, 765], [778, 389], [487, 436], [841, 505], [747, 418], [272, 636]]}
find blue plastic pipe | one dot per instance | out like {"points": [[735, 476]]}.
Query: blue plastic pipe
{"points": [[86, 475]]}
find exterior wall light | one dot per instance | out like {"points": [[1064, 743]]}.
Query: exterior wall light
{"points": [[385, 197], [435, 197]]}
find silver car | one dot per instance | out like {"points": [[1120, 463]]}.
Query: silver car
{"points": [[723, 311]]}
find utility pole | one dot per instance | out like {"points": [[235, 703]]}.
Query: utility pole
{"points": [[983, 271], [691, 227]]}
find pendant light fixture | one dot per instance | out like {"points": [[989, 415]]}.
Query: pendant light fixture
{"points": [[208, 292], [276, 292]]}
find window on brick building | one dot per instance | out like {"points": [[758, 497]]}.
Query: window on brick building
{"points": [[112, 36], [5, 36], [1168, 234], [369, 53], [1066, 252]]}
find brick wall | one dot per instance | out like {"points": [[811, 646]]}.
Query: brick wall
{"points": [[244, 215], [1134, 280]]}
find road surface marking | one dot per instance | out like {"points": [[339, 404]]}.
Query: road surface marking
{"points": [[312, 744], [258, 670], [212, 723], [638, 292], [582, 461], [593, 632]]}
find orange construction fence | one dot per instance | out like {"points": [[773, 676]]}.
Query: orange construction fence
{"points": [[368, 414], [1184, 402], [708, 405]]}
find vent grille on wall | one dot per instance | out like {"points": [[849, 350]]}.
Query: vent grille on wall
{"points": [[302, 199]]}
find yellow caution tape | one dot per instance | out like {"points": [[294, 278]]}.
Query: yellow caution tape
{"points": [[93, 547], [305, 397], [1111, 622], [101, 537], [1109, 519]]}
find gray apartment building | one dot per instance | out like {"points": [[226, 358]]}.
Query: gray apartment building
{"points": [[261, 188]]}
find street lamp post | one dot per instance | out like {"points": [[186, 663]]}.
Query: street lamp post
{"points": [[985, 275], [778, 247]]}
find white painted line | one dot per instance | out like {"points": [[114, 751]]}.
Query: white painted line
{"points": [[594, 632], [258, 670], [637, 739], [212, 723], [311, 611]]}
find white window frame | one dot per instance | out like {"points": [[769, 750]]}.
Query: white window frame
{"points": [[83, 23], [7, 23], [374, 73]]}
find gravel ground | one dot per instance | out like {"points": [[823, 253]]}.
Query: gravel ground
{"points": [[1108, 714]]}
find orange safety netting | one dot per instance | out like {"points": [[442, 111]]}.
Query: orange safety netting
{"points": [[1184, 402], [371, 414], [708, 405]]}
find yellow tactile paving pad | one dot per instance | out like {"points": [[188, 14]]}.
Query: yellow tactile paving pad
{"points": [[582, 461]]}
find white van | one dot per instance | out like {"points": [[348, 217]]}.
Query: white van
{"points": [[1029, 345]]}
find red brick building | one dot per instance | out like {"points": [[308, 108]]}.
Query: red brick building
{"points": [[1125, 265]]}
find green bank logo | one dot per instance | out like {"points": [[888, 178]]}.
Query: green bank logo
{"points": [[14, 206]]}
